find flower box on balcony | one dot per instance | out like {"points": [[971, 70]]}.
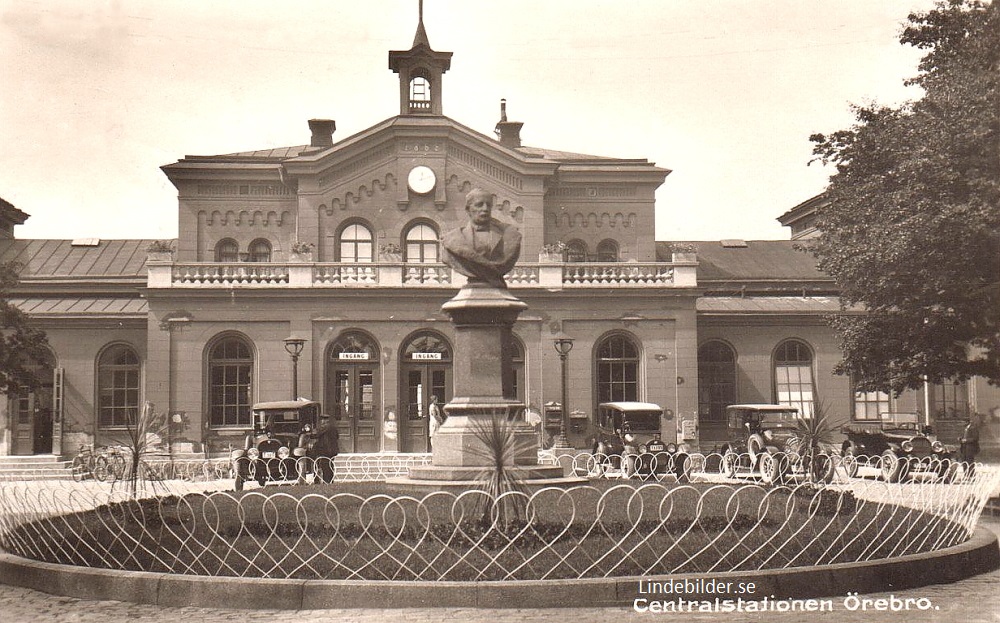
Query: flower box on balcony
{"points": [[159, 256], [547, 257], [685, 256]]}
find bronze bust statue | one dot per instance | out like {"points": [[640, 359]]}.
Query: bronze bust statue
{"points": [[483, 249]]}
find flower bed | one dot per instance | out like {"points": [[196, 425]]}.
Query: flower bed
{"points": [[356, 531]]}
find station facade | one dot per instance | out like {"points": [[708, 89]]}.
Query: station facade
{"points": [[314, 271]]}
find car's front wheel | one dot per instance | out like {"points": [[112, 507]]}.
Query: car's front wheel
{"points": [[849, 456], [770, 468], [947, 470], [730, 460], [893, 467], [681, 466]]}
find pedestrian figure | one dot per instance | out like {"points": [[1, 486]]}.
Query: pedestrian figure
{"points": [[969, 447], [436, 418]]}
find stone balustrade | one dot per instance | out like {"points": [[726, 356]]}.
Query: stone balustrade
{"points": [[550, 275]]}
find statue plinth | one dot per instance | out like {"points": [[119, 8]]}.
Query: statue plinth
{"points": [[483, 376], [483, 313]]}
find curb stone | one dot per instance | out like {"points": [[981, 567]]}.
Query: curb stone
{"points": [[978, 555]]}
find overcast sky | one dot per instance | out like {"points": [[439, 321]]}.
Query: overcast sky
{"points": [[96, 96]]}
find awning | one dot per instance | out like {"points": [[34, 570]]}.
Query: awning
{"points": [[771, 305], [83, 307]]}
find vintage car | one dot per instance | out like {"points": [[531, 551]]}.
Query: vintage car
{"points": [[764, 441], [898, 446], [278, 447], [631, 431]]}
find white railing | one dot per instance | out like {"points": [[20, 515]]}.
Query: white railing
{"points": [[345, 274], [238, 274], [397, 274], [618, 274], [704, 516]]}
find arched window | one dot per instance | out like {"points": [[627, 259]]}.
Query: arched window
{"points": [[427, 346], [353, 380], [793, 376], [716, 380], [230, 370], [260, 251], [227, 250], [617, 359], [420, 89], [117, 386], [607, 251], [576, 251], [356, 244], [421, 244]]}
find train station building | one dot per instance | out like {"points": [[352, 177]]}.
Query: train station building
{"points": [[320, 263]]}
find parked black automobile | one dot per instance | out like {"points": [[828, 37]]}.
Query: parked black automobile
{"points": [[630, 432], [278, 447], [899, 446], [764, 441]]}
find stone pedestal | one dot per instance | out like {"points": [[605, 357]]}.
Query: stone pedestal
{"points": [[484, 388]]}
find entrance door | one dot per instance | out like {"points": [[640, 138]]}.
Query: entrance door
{"points": [[32, 417], [353, 407], [425, 372], [352, 390], [422, 382]]}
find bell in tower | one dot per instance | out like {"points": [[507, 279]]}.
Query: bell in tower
{"points": [[420, 71]]}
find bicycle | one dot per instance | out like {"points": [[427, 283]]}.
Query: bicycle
{"points": [[99, 464], [115, 456]]}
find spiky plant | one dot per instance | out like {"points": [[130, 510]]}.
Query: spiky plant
{"points": [[813, 435], [146, 426], [498, 446]]}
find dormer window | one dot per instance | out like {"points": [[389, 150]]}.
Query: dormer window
{"points": [[420, 94]]}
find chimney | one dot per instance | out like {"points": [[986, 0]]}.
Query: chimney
{"points": [[508, 132], [322, 132]]}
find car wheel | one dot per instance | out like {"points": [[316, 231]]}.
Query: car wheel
{"points": [[947, 471], [769, 468], [850, 460], [755, 448], [892, 466], [680, 467], [729, 462], [822, 468]]}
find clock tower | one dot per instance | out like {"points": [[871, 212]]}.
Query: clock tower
{"points": [[420, 71]]}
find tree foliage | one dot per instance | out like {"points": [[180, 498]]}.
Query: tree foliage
{"points": [[912, 230], [21, 345]]}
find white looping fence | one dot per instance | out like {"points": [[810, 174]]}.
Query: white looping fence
{"points": [[672, 514]]}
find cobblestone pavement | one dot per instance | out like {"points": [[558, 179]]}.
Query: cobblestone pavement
{"points": [[976, 600]]}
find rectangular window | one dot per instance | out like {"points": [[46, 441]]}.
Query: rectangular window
{"points": [[869, 405], [794, 387], [230, 395], [950, 401]]}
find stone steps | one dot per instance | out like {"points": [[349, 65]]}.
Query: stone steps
{"points": [[35, 467]]}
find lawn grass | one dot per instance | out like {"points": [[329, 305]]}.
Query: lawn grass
{"points": [[358, 531]]}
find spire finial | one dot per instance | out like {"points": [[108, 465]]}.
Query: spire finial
{"points": [[420, 10]]}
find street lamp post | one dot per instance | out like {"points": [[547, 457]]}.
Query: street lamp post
{"points": [[293, 345], [563, 345]]}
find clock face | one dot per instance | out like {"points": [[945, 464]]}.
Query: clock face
{"points": [[421, 180]]}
